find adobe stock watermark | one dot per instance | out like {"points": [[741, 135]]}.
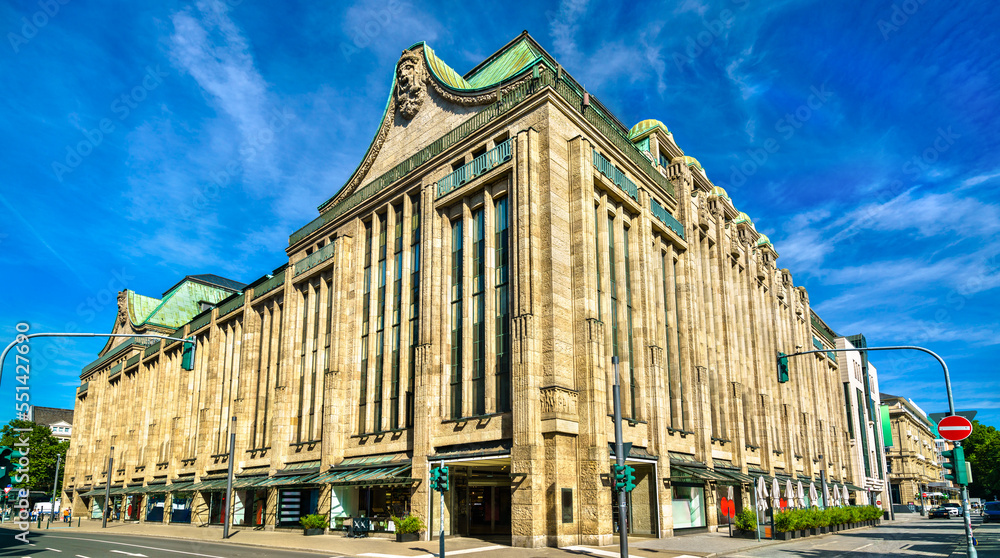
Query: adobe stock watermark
{"points": [[696, 43], [378, 21], [31, 25], [787, 126], [220, 179], [899, 16], [914, 167], [122, 106]]}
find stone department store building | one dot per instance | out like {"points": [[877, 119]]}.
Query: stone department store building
{"points": [[459, 301]]}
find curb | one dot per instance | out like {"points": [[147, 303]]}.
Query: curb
{"points": [[771, 542]]}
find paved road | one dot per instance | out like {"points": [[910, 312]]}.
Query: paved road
{"points": [[924, 537], [68, 544]]}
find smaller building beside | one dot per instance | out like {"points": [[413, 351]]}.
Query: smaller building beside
{"points": [[914, 457], [59, 420]]}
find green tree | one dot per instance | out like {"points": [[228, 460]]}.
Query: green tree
{"points": [[981, 450], [43, 451]]}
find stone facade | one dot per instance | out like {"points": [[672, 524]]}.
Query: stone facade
{"points": [[460, 302], [914, 458]]}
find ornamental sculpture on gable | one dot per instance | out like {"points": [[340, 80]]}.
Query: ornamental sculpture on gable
{"points": [[409, 84]]}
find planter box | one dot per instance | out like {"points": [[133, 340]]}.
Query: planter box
{"points": [[824, 530], [740, 533], [311, 532], [407, 537], [795, 534], [814, 531], [782, 536]]}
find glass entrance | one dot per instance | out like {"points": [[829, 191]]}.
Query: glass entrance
{"points": [[482, 500]]}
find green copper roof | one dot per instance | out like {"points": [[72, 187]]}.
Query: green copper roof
{"points": [[512, 61], [742, 218], [690, 161], [443, 71], [719, 191], [645, 127], [763, 240], [177, 307]]}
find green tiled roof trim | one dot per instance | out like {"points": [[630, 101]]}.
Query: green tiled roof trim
{"points": [[443, 72], [646, 127], [269, 285], [822, 328], [514, 59], [233, 304], [201, 321], [565, 85], [152, 349], [179, 332], [83, 388], [115, 352], [132, 361], [314, 259], [141, 307]]}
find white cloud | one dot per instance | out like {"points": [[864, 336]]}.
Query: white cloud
{"points": [[563, 28]]}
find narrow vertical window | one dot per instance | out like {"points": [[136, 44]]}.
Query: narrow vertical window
{"points": [[666, 336], [597, 251], [302, 362], [478, 313], [414, 308], [329, 322], [633, 388], [502, 247], [456, 319], [613, 287], [314, 395], [397, 303], [677, 338], [380, 327], [365, 313]]}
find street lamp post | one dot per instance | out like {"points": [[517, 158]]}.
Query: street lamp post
{"points": [[107, 490]]}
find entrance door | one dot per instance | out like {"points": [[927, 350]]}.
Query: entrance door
{"points": [[489, 510]]}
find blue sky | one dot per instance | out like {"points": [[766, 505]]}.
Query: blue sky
{"points": [[144, 141]]}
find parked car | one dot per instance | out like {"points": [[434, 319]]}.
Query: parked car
{"points": [[956, 509], [939, 511], [991, 511]]}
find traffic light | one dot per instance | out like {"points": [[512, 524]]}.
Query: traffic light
{"points": [[6, 467], [782, 367], [439, 479], [619, 474], [187, 355], [954, 463], [629, 478]]}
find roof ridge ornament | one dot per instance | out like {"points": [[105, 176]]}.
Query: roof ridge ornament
{"points": [[410, 78]]}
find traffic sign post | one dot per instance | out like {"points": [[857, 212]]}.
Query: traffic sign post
{"points": [[954, 428]]}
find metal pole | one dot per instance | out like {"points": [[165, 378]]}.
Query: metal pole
{"points": [[756, 510], [822, 480], [620, 460], [441, 534], [970, 545], [107, 491], [228, 504], [55, 487]]}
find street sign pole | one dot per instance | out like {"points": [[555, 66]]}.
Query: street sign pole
{"points": [[620, 460], [107, 490], [441, 535], [55, 487], [228, 504]]}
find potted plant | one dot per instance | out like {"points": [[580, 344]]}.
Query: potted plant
{"points": [[313, 524], [783, 526], [746, 523], [822, 520], [407, 528]]}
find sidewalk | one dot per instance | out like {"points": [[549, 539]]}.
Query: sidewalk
{"points": [[721, 544], [334, 544]]}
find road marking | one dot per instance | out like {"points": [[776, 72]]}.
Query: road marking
{"points": [[447, 553], [862, 546], [128, 553], [53, 549], [81, 556], [608, 553], [136, 546]]}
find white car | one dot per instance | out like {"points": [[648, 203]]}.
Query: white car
{"points": [[953, 509]]}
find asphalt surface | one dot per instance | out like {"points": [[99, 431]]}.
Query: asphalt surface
{"points": [[80, 545]]}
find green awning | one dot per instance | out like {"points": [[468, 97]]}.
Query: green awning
{"points": [[95, 492], [288, 480], [698, 473], [373, 476], [180, 487], [853, 488], [117, 490], [249, 482], [738, 476], [209, 486]]}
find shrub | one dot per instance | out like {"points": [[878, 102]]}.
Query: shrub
{"points": [[313, 521], [822, 517], [408, 524], [746, 520], [783, 521]]}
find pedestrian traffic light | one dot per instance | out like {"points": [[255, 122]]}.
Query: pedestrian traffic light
{"points": [[629, 478], [954, 463], [6, 467], [435, 478], [187, 355], [782, 367]]}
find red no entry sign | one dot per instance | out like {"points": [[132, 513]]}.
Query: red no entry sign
{"points": [[955, 428]]}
